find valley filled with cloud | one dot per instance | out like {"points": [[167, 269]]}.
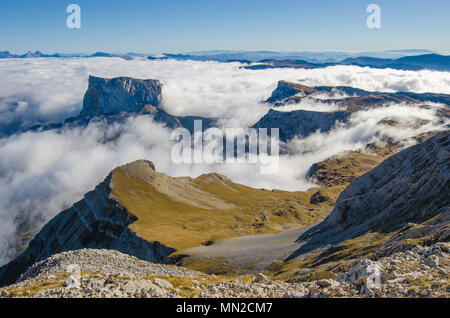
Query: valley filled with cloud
{"points": [[44, 172]]}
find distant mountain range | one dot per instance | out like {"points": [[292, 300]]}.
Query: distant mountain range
{"points": [[311, 57], [431, 61], [39, 54], [400, 60], [434, 62]]}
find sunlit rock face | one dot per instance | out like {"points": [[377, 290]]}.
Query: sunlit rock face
{"points": [[122, 94], [411, 186]]}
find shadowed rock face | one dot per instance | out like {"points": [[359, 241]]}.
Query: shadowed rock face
{"points": [[122, 94], [300, 123]]}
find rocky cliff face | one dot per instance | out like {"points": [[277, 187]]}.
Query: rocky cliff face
{"points": [[122, 94], [97, 221], [409, 187], [300, 123], [113, 100]]}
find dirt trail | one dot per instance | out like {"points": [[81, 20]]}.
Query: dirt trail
{"points": [[257, 251]]}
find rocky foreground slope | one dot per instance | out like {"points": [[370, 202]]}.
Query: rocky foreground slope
{"points": [[422, 272]]}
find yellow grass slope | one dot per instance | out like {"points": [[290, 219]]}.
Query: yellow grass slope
{"points": [[185, 212]]}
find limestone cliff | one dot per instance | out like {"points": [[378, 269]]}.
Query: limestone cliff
{"points": [[408, 187], [117, 95]]}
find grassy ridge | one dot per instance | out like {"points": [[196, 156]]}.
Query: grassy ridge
{"points": [[181, 225]]}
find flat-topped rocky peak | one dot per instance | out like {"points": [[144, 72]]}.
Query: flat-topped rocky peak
{"points": [[122, 94], [287, 89]]}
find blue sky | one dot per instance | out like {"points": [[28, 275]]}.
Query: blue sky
{"points": [[155, 26]]}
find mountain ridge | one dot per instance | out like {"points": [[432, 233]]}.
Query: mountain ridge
{"points": [[147, 214], [410, 186], [433, 62], [289, 93]]}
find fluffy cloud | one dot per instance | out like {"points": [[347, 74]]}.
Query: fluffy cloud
{"points": [[42, 173], [49, 90]]}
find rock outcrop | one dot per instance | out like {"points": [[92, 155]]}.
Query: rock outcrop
{"points": [[123, 94], [300, 123], [114, 100], [286, 89], [411, 186]]}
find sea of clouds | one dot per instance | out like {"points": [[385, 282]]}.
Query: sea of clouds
{"points": [[42, 173]]}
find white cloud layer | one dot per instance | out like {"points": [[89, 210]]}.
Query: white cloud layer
{"points": [[42, 173], [49, 90]]}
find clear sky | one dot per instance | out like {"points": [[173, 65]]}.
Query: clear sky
{"points": [[155, 26]]}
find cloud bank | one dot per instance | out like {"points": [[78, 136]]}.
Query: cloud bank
{"points": [[42, 173], [49, 90]]}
